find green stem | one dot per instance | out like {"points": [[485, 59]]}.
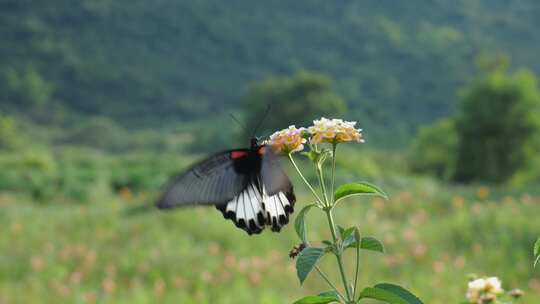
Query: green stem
{"points": [[334, 146], [304, 179], [323, 186], [329, 283], [338, 253], [357, 268]]}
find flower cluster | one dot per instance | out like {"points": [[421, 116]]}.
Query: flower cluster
{"points": [[484, 290], [334, 130], [324, 130], [288, 140]]}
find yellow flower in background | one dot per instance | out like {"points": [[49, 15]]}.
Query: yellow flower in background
{"points": [[334, 131], [288, 140]]}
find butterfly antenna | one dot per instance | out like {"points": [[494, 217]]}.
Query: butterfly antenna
{"points": [[238, 122], [261, 121]]}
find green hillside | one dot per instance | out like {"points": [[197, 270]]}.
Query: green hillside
{"points": [[145, 63]]}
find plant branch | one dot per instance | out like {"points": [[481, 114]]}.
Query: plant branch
{"points": [[338, 253], [304, 179], [357, 268], [328, 281], [334, 146], [323, 186]]}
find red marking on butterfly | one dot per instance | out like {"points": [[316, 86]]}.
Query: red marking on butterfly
{"points": [[238, 154]]}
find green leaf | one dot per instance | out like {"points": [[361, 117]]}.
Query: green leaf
{"points": [[366, 243], [401, 292], [371, 243], [322, 298], [348, 232], [347, 190], [349, 238], [340, 229], [312, 155], [306, 261], [381, 295], [349, 242], [536, 261], [300, 223], [352, 240], [327, 243], [329, 246], [316, 300], [330, 293]]}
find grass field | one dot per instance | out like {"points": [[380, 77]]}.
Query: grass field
{"points": [[115, 248]]}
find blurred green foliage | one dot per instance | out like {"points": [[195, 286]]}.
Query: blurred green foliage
{"points": [[498, 125], [434, 150], [28, 88], [397, 65], [31, 173], [494, 137], [97, 132], [434, 235], [74, 211], [8, 134], [74, 174], [296, 100], [216, 133]]}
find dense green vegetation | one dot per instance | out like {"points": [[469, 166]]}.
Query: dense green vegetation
{"points": [[117, 249], [498, 126], [494, 137], [434, 150], [397, 65], [80, 226]]}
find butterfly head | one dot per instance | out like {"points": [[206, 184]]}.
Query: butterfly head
{"points": [[254, 142]]}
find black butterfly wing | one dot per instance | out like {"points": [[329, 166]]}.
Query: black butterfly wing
{"points": [[209, 182], [279, 193], [267, 200], [273, 176], [248, 186]]}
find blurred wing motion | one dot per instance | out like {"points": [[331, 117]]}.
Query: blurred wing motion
{"points": [[209, 182], [273, 176], [248, 186]]}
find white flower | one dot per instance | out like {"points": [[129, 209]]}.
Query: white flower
{"points": [[483, 288], [493, 285], [334, 131], [288, 140], [478, 284], [475, 290]]}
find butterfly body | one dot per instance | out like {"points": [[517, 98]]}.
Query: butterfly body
{"points": [[247, 185]]}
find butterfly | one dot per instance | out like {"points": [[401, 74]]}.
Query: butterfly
{"points": [[247, 185]]}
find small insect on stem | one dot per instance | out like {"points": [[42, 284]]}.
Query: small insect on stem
{"points": [[296, 250]]}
